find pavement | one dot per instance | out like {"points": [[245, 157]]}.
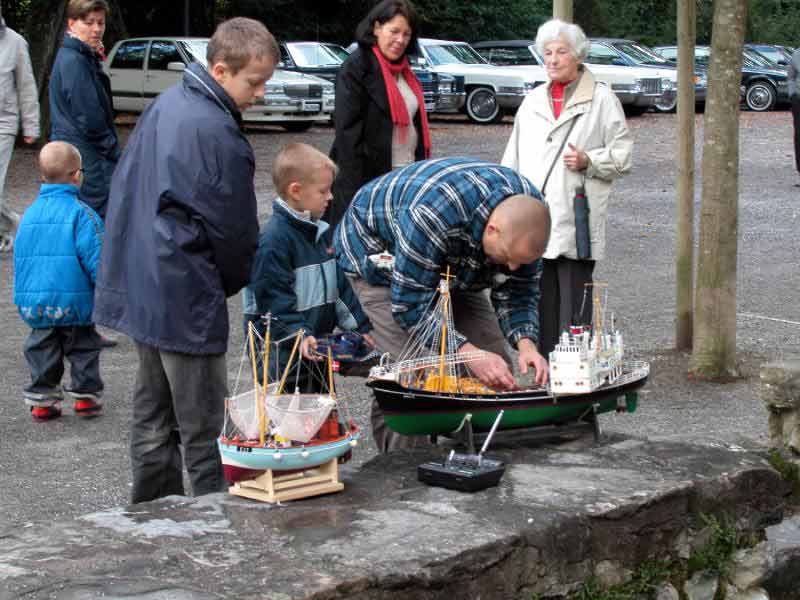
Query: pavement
{"points": [[54, 472]]}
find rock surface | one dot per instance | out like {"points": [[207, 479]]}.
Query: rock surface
{"points": [[559, 516]]}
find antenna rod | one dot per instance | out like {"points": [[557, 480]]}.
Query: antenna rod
{"points": [[491, 433]]}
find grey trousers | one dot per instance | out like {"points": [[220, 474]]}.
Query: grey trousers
{"points": [[474, 317], [7, 140], [179, 399], [45, 351]]}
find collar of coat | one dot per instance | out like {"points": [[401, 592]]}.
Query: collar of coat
{"points": [[197, 78], [579, 102], [301, 220], [74, 43]]}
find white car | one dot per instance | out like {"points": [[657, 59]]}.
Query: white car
{"points": [[142, 68], [491, 91]]}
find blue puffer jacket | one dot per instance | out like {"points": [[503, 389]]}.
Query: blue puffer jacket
{"points": [[56, 253], [83, 115], [295, 278]]}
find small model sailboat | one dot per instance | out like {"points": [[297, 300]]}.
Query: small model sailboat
{"points": [[429, 389], [277, 445]]}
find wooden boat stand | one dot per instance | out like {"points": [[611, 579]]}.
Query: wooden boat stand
{"points": [[585, 423], [273, 487]]}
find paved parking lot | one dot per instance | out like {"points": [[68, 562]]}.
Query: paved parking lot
{"points": [[71, 467]]}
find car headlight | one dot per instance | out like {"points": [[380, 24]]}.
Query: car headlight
{"points": [[530, 86], [667, 84], [447, 84], [274, 89], [328, 90], [637, 86]]}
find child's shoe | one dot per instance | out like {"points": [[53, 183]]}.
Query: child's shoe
{"points": [[86, 404], [42, 414]]}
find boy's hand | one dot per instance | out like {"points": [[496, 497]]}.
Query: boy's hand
{"points": [[309, 348], [370, 342]]}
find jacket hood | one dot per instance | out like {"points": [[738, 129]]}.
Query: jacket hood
{"points": [[197, 78]]}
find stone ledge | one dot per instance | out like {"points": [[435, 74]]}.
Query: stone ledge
{"points": [[559, 517]]}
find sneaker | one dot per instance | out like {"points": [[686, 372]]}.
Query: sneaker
{"points": [[41, 414], [87, 405]]}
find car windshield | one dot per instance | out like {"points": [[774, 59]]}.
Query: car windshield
{"points": [[337, 51], [196, 49], [772, 54], [312, 54], [641, 54], [759, 60], [509, 55], [453, 54]]}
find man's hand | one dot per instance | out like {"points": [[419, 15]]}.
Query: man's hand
{"points": [[309, 348], [370, 342], [529, 356], [28, 139], [492, 370]]}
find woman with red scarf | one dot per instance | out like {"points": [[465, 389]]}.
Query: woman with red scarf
{"points": [[380, 116]]}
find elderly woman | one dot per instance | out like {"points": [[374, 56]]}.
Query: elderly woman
{"points": [[380, 111], [80, 99], [569, 135]]}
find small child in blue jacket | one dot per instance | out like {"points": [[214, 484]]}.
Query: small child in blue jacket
{"points": [[295, 276], [55, 263]]}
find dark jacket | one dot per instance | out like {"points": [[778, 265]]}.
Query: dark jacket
{"points": [[82, 114], [182, 227], [56, 253], [362, 147], [296, 279]]}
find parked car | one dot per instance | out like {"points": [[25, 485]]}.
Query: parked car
{"points": [[442, 92], [777, 55], [491, 91], [313, 58], [764, 86], [637, 89], [142, 68]]}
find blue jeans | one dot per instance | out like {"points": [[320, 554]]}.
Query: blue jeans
{"points": [[45, 351], [178, 399]]}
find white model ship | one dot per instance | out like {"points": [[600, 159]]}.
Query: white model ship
{"points": [[587, 357]]}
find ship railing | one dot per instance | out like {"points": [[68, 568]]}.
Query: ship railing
{"points": [[426, 362]]}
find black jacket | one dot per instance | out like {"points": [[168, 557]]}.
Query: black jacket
{"points": [[363, 144], [181, 227]]}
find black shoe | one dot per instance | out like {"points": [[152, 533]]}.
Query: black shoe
{"points": [[107, 342]]}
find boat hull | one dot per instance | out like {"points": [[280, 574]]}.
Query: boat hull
{"points": [[247, 460], [419, 412]]}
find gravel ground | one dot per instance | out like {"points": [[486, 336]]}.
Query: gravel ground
{"points": [[70, 467]]}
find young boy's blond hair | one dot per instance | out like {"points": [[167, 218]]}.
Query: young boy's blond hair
{"points": [[298, 163], [60, 162]]}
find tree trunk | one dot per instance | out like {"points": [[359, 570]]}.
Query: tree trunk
{"points": [[714, 348], [562, 9], [684, 254], [47, 22]]}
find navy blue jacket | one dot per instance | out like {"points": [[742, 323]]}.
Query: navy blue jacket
{"points": [[296, 279], [56, 253], [83, 115], [182, 226]]}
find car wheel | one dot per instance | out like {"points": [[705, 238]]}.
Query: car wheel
{"points": [[297, 126], [482, 106], [666, 102], [760, 96]]}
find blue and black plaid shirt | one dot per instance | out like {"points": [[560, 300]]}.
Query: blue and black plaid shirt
{"points": [[431, 215]]}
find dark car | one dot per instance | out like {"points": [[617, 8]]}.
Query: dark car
{"points": [[764, 85]]}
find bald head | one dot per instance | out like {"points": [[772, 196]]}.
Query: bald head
{"points": [[523, 222], [59, 162]]}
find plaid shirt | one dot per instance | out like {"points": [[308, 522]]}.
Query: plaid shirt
{"points": [[431, 215]]}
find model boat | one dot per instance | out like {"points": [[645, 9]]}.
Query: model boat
{"points": [[429, 389], [271, 430]]}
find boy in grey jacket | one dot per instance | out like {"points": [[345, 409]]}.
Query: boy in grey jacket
{"points": [[20, 102]]}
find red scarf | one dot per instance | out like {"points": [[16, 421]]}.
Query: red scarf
{"points": [[557, 95], [397, 105]]}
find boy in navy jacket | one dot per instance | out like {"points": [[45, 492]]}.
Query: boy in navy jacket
{"points": [[55, 266], [294, 275]]}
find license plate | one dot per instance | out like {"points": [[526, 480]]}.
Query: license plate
{"points": [[311, 107]]}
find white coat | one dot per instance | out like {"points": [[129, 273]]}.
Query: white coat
{"points": [[19, 96], [600, 131]]}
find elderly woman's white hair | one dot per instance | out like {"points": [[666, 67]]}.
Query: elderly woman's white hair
{"points": [[555, 30]]}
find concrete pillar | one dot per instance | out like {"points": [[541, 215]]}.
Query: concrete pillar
{"points": [[780, 392], [562, 9]]}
